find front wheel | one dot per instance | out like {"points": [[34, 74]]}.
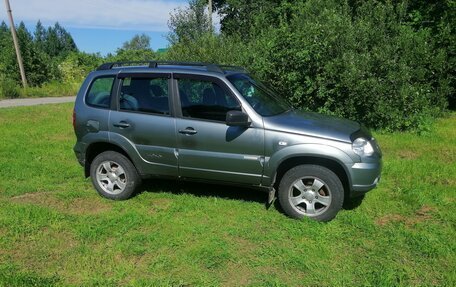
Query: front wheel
{"points": [[311, 191], [114, 176]]}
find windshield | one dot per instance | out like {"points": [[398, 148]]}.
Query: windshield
{"points": [[262, 99]]}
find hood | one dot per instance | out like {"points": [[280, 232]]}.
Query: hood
{"points": [[313, 124]]}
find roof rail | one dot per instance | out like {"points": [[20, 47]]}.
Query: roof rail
{"points": [[153, 64], [109, 66]]}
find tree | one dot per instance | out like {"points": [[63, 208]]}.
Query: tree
{"points": [[138, 42], [190, 23], [440, 17], [36, 63], [41, 53], [77, 65], [56, 41], [237, 17], [3, 27], [40, 34], [137, 49]]}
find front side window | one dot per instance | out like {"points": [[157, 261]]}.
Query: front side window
{"points": [[99, 94], [262, 99], [207, 100], [145, 95]]}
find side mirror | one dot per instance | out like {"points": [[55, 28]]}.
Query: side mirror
{"points": [[237, 119]]}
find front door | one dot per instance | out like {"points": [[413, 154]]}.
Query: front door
{"points": [[207, 147]]}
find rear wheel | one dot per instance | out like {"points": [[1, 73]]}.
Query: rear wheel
{"points": [[114, 176], [311, 191]]}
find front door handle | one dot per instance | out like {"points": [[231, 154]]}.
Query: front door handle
{"points": [[122, 125], [188, 131]]}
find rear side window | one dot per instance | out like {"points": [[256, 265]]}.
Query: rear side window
{"points": [[147, 95], [99, 94]]}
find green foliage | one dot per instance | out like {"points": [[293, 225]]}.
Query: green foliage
{"points": [[368, 67], [77, 65], [53, 66], [8, 88], [210, 48], [131, 55], [138, 42], [239, 16], [189, 24], [137, 49], [39, 65], [55, 41], [51, 89], [364, 60]]}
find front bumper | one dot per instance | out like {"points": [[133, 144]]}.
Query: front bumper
{"points": [[364, 177]]}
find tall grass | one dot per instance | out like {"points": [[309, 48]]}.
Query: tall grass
{"points": [[51, 89]]}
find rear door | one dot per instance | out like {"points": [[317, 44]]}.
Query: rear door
{"points": [[207, 147], [143, 118]]}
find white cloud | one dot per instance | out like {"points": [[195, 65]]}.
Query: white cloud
{"points": [[147, 15]]}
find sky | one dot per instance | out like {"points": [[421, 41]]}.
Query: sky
{"points": [[98, 25]]}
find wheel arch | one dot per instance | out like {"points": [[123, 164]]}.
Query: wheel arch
{"points": [[96, 148], [330, 163]]}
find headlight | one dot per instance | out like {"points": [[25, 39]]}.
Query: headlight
{"points": [[362, 147]]}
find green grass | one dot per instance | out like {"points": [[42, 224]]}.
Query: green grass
{"points": [[55, 229]]}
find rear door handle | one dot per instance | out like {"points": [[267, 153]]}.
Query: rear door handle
{"points": [[188, 131], [122, 125]]}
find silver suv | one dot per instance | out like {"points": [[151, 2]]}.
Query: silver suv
{"points": [[198, 121]]}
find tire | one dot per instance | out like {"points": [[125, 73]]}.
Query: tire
{"points": [[114, 176], [311, 191]]}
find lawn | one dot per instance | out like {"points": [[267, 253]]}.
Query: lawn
{"points": [[56, 230]]}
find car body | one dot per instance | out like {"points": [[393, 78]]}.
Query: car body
{"points": [[213, 123]]}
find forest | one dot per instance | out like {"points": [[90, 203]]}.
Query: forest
{"points": [[388, 64]]}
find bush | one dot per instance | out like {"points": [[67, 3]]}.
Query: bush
{"points": [[8, 88], [364, 64], [368, 68], [76, 66], [210, 48]]}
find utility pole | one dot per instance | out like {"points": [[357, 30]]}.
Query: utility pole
{"points": [[210, 13], [16, 44]]}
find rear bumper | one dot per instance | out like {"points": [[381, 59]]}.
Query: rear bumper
{"points": [[365, 177], [80, 155]]}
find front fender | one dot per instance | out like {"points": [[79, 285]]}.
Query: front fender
{"points": [[304, 150]]}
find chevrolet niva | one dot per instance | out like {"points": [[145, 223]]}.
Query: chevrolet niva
{"points": [[199, 121]]}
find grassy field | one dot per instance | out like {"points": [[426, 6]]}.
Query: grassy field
{"points": [[55, 229]]}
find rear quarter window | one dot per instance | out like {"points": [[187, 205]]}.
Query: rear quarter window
{"points": [[99, 94]]}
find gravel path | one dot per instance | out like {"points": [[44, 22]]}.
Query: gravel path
{"points": [[35, 101]]}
